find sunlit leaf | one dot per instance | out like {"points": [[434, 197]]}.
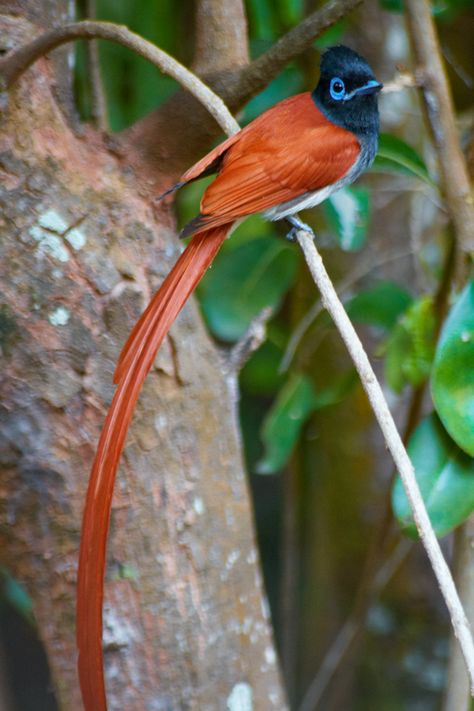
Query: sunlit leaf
{"points": [[453, 372], [243, 281], [396, 155], [379, 305], [347, 211], [296, 401], [409, 349], [445, 475]]}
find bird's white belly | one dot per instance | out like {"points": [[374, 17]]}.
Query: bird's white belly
{"points": [[302, 202]]}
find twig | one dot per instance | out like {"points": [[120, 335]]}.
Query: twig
{"points": [[394, 445], [236, 357], [17, 61], [402, 80], [439, 106]]}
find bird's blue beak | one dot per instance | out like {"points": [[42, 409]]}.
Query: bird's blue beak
{"points": [[371, 87]]}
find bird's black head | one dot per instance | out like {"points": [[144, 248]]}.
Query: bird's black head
{"points": [[347, 91]]}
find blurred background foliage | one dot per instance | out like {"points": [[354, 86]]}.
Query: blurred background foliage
{"points": [[320, 476]]}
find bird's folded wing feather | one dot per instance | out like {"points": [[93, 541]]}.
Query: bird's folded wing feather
{"points": [[291, 153]]}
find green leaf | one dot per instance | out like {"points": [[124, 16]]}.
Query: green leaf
{"points": [[452, 384], [288, 82], [244, 280], [379, 305], [338, 389], [294, 404], [333, 35], [409, 349], [445, 476], [282, 425], [396, 155], [260, 375], [392, 5], [347, 212], [291, 11]]}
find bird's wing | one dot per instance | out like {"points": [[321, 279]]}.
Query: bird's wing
{"points": [[210, 163], [290, 151]]}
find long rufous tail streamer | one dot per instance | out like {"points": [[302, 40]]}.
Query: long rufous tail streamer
{"points": [[135, 362]]}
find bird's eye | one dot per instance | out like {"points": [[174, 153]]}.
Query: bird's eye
{"points": [[337, 89]]}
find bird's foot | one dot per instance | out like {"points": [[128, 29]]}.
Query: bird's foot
{"points": [[296, 226]]}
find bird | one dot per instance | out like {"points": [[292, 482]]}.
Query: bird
{"points": [[290, 158]]}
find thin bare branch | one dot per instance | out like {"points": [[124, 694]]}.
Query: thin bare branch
{"points": [[439, 106], [395, 446], [236, 357], [401, 81], [17, 61]]}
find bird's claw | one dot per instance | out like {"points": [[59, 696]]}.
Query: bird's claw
{"points": [[297, 226], [291, 235]]}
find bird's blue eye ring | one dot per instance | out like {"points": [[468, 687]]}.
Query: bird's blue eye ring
{"points": [[337, 89]]}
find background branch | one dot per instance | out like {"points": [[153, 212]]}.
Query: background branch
{"points": [[98, 98], [221, 36], [459, 202], [440, 111]]}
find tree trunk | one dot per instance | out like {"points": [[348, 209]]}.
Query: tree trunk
{"points": [[185, 620]]}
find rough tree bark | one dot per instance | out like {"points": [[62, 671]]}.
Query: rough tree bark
{"points": [[186, 625]]}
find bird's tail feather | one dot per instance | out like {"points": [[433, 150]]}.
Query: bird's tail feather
{"points": [[134, 363]]}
